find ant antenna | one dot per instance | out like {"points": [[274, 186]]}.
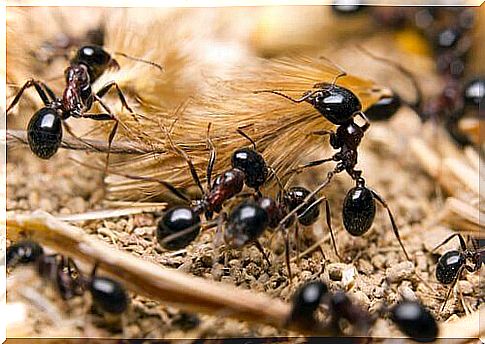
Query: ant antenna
{"points": [[419, 93], [340, 69], [243, 134], [156, 65]]}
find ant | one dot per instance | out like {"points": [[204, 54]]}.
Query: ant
{"points": [[44, 130], [340, 105], [451, 264], [180, 225], [308, 298], [109, 295], [411, 317], [246, 222]]}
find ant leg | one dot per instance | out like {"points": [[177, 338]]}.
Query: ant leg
{"points": [[187, 159], [300, 168], [393, 223], [287, 255], [48, 90], [106, 117], [297, 243], [261, 249], [69, 130], [329, 221], [450, 289], [30, 83], [102, 92], [212, 157], [460, 237]]}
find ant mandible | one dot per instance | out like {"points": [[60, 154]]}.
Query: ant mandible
{"points": [[340, 105], [451, 264], [44, 130]]}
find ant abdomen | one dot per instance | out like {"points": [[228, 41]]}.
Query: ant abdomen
{"points": [[296, 196], [109, 295], [252, 164], [245, 224], [44, 132], [448, 266], [359, 210], [176, 220]]}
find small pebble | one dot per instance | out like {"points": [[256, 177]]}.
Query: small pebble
{"points": [[400, 272]]}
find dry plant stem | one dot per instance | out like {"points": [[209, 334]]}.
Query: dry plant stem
{"points": [[168, 286], [19, 137], [465, 329]]}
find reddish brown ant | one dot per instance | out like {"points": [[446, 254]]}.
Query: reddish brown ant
{"points": [[45, 127], [340, 105]]}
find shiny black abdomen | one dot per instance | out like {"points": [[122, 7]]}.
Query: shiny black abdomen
{"points": [[44, 132], [359, 210], [448, 266]]}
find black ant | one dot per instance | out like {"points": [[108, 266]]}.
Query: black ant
{"points": [[451, 264], [109, 295], [340, 105], [411, 317], [311, 295], [44, 130]]}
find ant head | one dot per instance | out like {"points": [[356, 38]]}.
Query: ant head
{"points": [[96, 59], [252, 164], [44, 132], [294, 197], [307, 299], [23, 252], [246, 223]]}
